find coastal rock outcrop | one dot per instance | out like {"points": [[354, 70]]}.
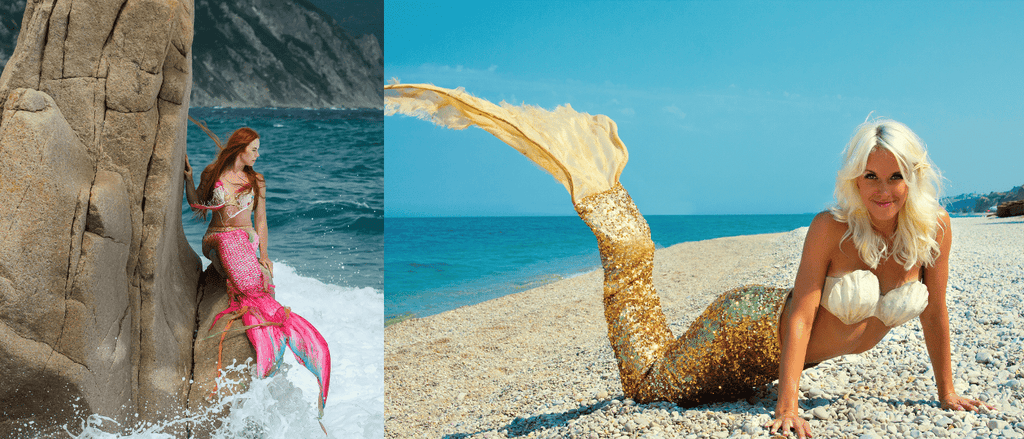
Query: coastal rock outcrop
{"points": [[1010, 208], [215, 346], [974, 202], [97, 281]]}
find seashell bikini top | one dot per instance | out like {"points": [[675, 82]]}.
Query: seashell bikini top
{"points": [[856, 296], [241, 199]]}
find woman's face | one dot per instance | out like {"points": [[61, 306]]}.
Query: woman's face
{"points": [[882, 189], [251, 153]]}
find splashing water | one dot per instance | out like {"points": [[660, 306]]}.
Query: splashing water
{"points": [[284, 406]]}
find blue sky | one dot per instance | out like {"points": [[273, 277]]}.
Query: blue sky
{"points": [[725, 107]]}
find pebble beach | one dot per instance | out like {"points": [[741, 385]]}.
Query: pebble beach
{"points": [[537, 364]]}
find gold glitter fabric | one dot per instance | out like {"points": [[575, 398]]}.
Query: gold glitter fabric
{"points": [[731, 348]]}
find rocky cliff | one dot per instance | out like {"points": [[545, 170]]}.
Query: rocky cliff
{"points": [[97, 281], [274, 53], [265, 53], [968, 203], [103, 309]]}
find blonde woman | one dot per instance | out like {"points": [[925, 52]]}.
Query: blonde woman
{"points": [[875, 261]]}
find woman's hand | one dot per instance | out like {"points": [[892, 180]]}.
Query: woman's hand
{"points": [[190, 186], [266, 263], [952, 401], [188, 169], [790, 421]]}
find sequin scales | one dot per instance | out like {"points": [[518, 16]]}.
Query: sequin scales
{"points": [[731, 348]]}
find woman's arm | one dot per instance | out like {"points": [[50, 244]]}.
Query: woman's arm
{"points": [[935, 324], [799, 319], [261, 224], [190, 186]]}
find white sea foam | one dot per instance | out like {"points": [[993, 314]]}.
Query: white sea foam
{"points": [[284, 406]]}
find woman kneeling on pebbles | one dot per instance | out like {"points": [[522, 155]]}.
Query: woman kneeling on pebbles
{"points": [[878, 259]]}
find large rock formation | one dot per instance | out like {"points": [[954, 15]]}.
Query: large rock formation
{"points": [[209, 350], [1010, 208], [97, 282], [274, 53]]}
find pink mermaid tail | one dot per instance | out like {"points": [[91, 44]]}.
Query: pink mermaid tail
{"points": [[269, 325]]}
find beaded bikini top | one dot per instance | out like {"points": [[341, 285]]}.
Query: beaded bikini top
{"points": [[242, 199], [856, 296]]}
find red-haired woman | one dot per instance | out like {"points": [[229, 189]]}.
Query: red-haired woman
{"points": [[234, 192]]}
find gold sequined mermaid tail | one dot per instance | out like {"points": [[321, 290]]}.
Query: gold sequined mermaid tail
{"points": [[727, 351], [731, 348]]}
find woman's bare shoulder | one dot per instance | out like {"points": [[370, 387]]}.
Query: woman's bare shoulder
{"points": [[945, 229], [826, 225]]}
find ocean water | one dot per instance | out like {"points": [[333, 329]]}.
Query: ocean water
{"points": [[325, 204], [325, 187], [438, 264]]}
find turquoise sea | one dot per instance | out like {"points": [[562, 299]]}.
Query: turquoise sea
{"points": [[438, 264], [325, 187], [325, 214]]}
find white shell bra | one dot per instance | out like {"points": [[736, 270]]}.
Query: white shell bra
{"points": [[856, 296]]}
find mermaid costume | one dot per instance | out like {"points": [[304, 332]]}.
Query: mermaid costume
{"points": [[234, 252], [727, 351]]}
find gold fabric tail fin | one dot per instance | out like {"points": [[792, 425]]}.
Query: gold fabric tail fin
{"points": [[581, 151]]}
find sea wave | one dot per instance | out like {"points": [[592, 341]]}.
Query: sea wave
{"points": [[284, 406]]}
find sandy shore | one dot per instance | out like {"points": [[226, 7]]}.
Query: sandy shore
{"points": [[538, 363]]}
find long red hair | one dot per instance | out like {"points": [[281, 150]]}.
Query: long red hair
{"points": [[237, 143]]}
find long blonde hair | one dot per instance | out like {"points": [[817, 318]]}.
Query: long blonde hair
{"points": [[918, 221]]}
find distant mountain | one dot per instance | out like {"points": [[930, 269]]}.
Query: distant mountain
{"points": [[10, 24], [968, 203], [281, 53], [265, 53]]}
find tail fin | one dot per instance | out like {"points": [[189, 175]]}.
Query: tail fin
{"points": [[581, 151], [310, 350]]}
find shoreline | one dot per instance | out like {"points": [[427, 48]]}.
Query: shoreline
{"points": [[538, 364], [415, 293]]}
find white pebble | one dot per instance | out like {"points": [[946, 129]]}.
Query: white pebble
{"points": [[996, 424], [821, 413]]}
